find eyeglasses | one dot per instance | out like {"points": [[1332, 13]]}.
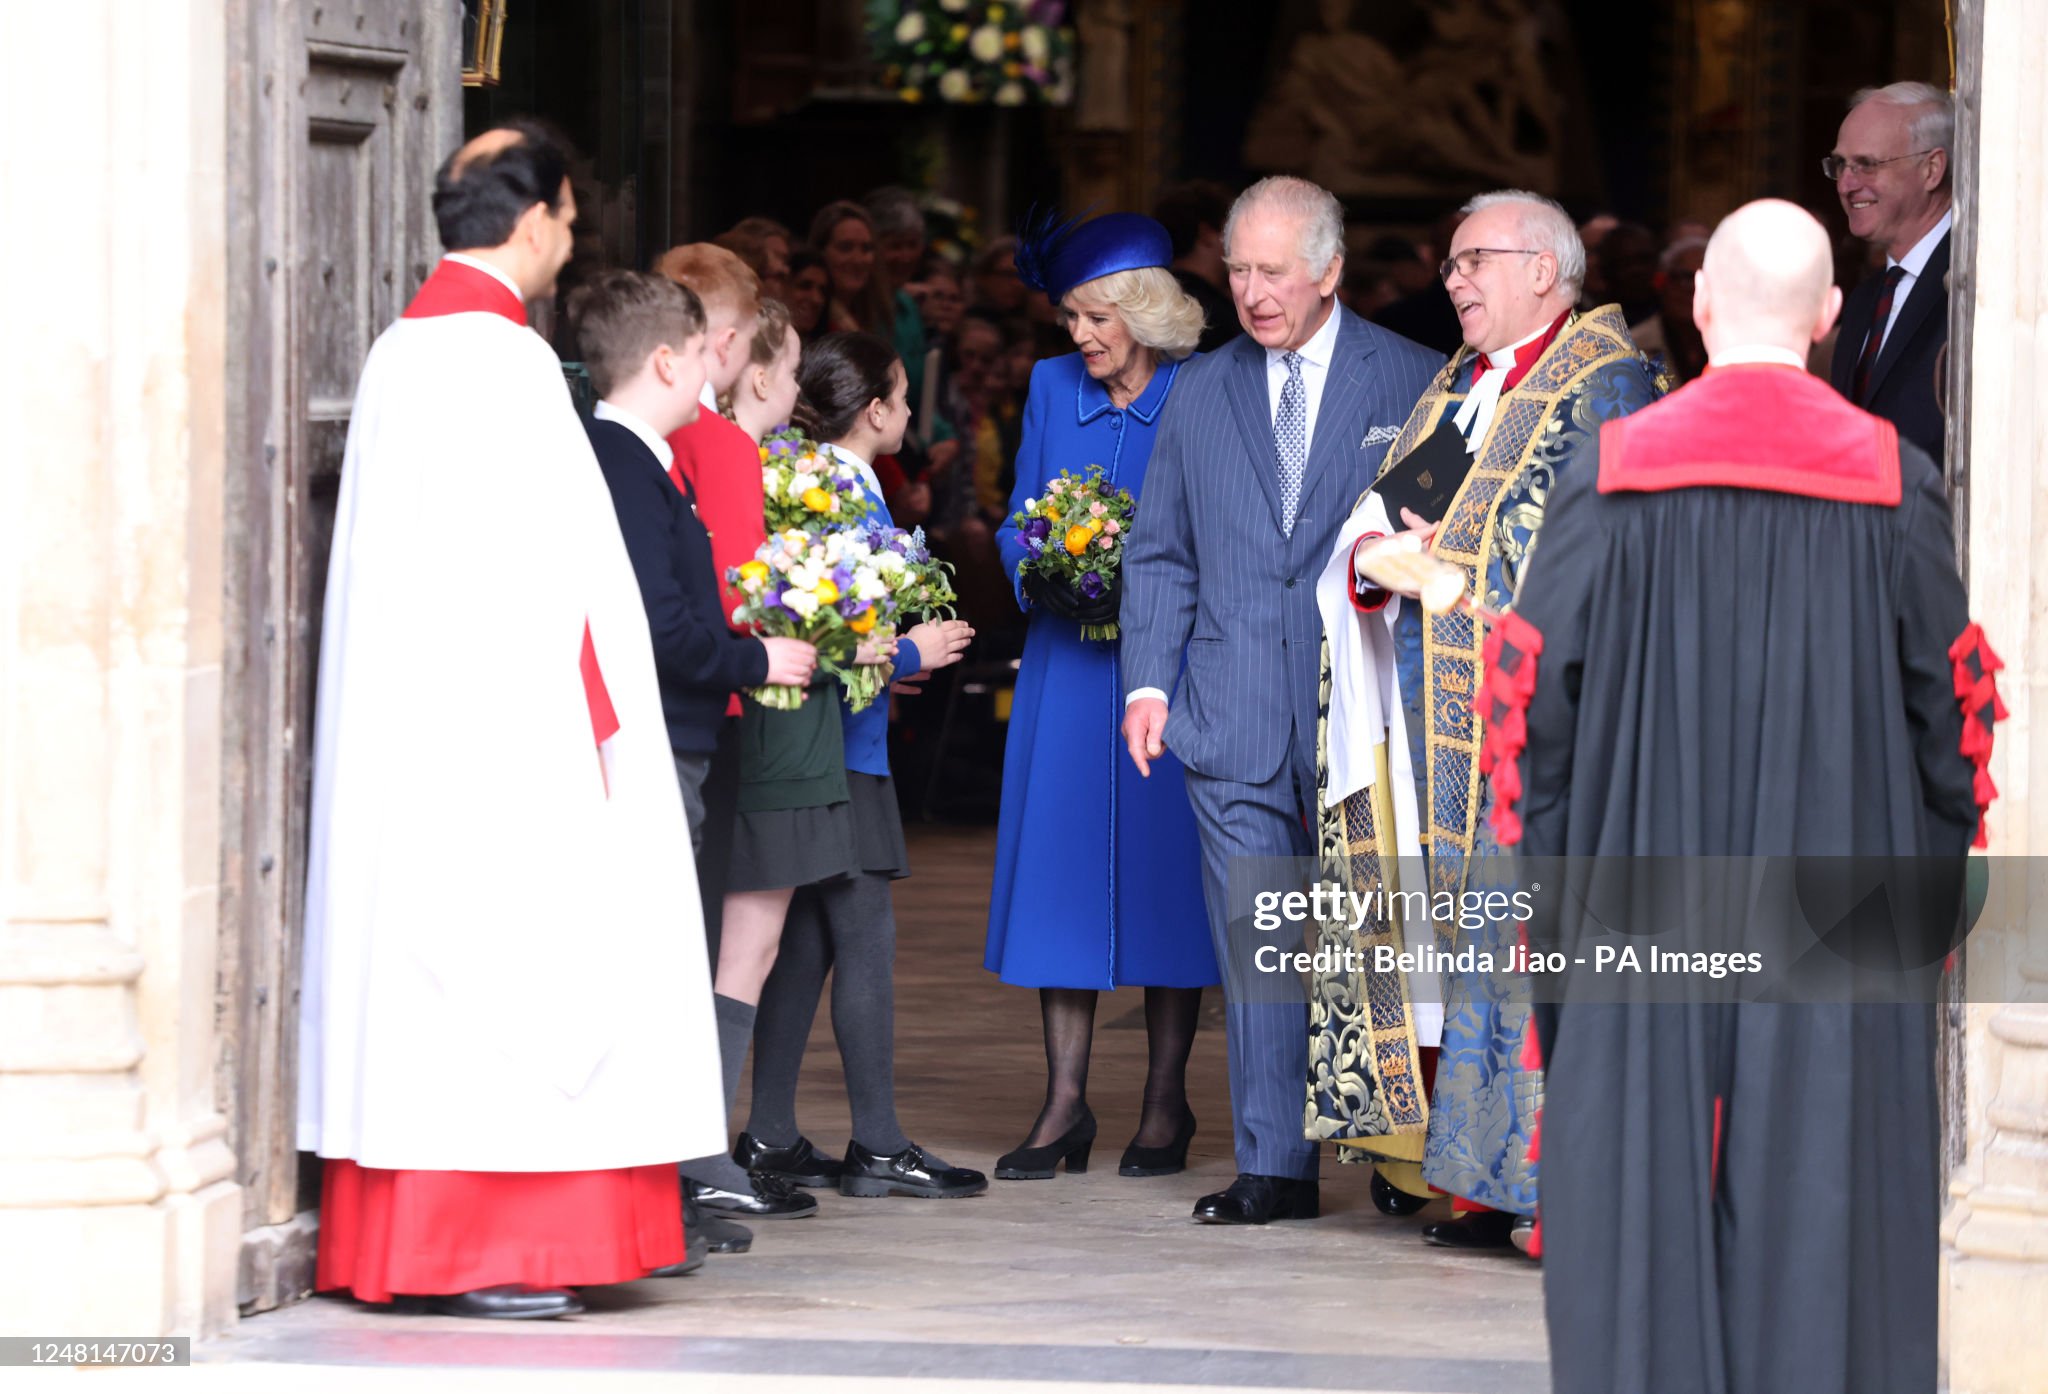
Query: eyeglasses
{"points": [[1834, 166], [1468, 262]]}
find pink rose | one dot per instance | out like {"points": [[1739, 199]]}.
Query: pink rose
{"points": [[1104, 543], [1058, 486], [1112, 527], [1096, 510]]}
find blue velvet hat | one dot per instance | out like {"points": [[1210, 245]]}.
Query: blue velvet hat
{"points": [[1055, 257]]}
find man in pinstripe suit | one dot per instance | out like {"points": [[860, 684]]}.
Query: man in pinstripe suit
{"points": [[1256, 466]]}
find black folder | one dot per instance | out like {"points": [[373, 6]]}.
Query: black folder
{"points": [[1427, 478]]}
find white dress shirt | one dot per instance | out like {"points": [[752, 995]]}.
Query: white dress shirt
{"points": [[707, 397], [861, 467], [605, 411], [1316, 356], [1914, 262], [1757, 353], [489, 270]]}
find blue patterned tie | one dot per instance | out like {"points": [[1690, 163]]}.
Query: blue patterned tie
{"points": [[1290, 440]]}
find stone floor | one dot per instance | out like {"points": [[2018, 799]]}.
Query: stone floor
{"points": [[1081, 1280]]}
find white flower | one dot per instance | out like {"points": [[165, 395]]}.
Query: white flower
{"points": [[953, 85], [986, 43], [910, 28], [1030, 504], [888, 563], [870, 588], [1010, 94], [800, 482], [1037, 48], [804, 602], [806, 576], [953, 7]]}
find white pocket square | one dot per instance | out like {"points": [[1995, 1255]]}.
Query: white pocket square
{"points": [[1379, 435]]}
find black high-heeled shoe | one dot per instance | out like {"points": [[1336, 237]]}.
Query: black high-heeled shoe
{"points": [[1160, 1161], [1037, 1163]]}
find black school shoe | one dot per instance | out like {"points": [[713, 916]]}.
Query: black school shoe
{"points": [[798, 1164], [768, 1199], [908, 1173]]}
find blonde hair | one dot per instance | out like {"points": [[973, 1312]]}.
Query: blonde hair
{"points": [[1159, 314]]}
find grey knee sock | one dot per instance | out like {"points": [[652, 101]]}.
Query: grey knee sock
{"points": [[863, 928], [735, 1029]]}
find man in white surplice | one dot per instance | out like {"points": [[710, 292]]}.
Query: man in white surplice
{"points": [[505, 976]]}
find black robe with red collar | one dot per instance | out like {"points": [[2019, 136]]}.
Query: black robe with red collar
{"points": [[1753, 638]]}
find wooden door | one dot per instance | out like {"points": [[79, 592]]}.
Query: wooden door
{"points": [[338, 113]]}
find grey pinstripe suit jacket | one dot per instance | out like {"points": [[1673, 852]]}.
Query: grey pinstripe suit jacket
{"points": [[1209, 569]]}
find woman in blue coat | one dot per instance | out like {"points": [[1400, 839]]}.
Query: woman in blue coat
{"points": [[1098, 872]]}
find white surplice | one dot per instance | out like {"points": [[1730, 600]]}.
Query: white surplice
{"points": [[504, 963], [1366, 710]]}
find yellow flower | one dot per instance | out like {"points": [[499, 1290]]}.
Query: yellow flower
{"points": [[1078, 538], [755, 571], [817, 500], [911, 94], [996, 12], [764, 454], [1013, 69], [1052, 513], [827, 592], [959, 33], [862, 622], [1010, 41]]}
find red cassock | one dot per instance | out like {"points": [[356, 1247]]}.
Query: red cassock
{"points": [[428, 1233], [723, 465]]}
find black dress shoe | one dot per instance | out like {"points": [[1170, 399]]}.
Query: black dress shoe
{"points": [[798, 1164], [680, 1270], [504, 1302], [1037, 1163], [706, 1233], [1524, 1234], [768, 1200], [908, 1173], [1484, 1229], [1253, 1200], [1160, 1161], [1389, 1199]]}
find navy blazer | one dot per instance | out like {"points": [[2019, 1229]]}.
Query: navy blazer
{"points": [[697, 656], [1209, 571], [1902, 379]]}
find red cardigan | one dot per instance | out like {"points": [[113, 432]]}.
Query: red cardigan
{"points": [[723, 464]]}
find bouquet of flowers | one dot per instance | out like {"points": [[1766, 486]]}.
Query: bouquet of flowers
{"points": [[1074, 543], [805, 488]]}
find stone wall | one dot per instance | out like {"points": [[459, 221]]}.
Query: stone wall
{"points": [[118, 1213]]}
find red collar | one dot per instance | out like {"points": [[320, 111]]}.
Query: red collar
{"points": [[1754, 426], [456, 289], [1523, 358]]}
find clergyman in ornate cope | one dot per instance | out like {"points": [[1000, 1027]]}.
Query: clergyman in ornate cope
{"points": [[1437, 1092]]}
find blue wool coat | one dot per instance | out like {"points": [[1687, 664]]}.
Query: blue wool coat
{"points": [[1098, 880]]}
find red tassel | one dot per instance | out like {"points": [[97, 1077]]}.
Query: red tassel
{"points": [[1976, 688]]}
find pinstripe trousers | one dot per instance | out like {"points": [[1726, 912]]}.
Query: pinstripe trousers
{"points": [[1244, 829]]}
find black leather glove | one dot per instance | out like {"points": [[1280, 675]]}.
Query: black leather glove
{"points": [[1050, 594], [1064, 601]]}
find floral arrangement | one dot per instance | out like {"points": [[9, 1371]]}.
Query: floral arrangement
{"points": [[1006, 54], [1074, 539], [834, 586], [806, 489]]}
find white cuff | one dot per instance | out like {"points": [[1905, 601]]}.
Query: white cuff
{"points": [[1144, 692]]}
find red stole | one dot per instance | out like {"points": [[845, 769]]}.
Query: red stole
{"points": [[457, 288]]}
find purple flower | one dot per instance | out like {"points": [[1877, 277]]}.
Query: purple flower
{"points": [[842, 578], [1036, 528], [782, 447], [1034, 546], [1091, 585], [851, 607]]}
